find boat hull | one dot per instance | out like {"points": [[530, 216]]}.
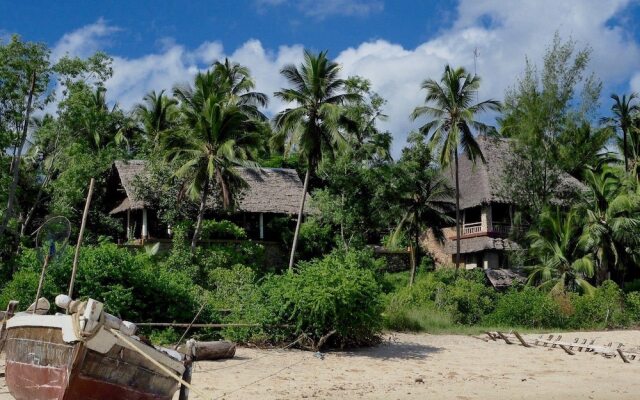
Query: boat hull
{"points": [[41, 366]]}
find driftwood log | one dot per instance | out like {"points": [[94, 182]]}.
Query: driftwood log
{"points": [[209, 351]]}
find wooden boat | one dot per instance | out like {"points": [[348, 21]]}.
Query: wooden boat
{"points": [[86, 354]]}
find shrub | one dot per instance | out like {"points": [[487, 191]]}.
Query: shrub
{"points": [[316, 239], [467, 300], [130, 285], [603, 309], [530, 307], [212, 229], [632, 307], [339, 292]]}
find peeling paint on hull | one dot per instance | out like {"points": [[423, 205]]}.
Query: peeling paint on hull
{"points": [[33, 382], [41, 366]]}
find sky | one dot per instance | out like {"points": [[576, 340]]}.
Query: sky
{"points": [[396, 44]]}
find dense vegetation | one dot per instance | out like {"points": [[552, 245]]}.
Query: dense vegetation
{"points": [[579, 244]]}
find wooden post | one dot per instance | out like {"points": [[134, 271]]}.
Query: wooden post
{"points": [[261, 226], [145, 227], [76, 256], [129, 225]]}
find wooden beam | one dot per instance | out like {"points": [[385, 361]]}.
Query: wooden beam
{"points": [[522, 341], [622, 355], [507, 341], [566, 349]]}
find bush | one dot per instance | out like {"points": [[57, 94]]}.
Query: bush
{"points": [[130, 285], [316, 239], [632, 307], [467, 300], [530, 307], [603, 309], [339, 292], [212, 229]]}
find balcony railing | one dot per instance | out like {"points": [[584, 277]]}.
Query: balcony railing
{"points": [[470, 229]]}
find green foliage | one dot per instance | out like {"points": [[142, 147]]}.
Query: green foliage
{"points": [[212, 229], [467, 301], [130, 285], [339, 292], [529, 308], [603, 309], [316, 239]]}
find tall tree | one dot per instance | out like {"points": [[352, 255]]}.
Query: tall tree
{"points": [[450, 105], [157, 115], [540, 115], [215, 134], [624, 111], [25, 73], [423, 197], [312, 126]]}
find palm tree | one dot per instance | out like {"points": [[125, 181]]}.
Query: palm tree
{"points": [[611, 217], [235, 80], [554, 247], [424, 198], [215, 134], [312, 126], [450, 106], [157, 114], [623, 115]]}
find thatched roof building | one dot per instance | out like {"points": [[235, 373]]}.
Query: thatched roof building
{"points": [[269, 190], [269, 194], [483, 182], [486, 209]]}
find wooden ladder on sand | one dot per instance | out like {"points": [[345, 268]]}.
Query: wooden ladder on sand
{"points": [[570, 348]]}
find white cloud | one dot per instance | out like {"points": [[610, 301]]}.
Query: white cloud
{"points": [[503, 31], [323, 8], [84, 41]]}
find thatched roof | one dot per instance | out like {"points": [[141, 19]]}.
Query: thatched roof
{"points": [[269, 190], [128, 171], [503, 278], [482, 183], [480, 243]]}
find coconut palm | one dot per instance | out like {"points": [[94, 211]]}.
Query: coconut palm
{"points": [[215, 135], [235, 80], [157, 114], [450, 106], [312, 125], [424, 198], [623, 114], [559, 266], [611, 217]]}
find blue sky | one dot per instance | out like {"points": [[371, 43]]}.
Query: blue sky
{"points": [[395, 44]]}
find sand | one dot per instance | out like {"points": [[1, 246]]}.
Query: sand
{"points": [[420, 366]]}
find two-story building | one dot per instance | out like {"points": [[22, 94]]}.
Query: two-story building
{"points": [[486, 212]]}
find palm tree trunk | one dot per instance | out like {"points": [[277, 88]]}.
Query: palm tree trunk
{"points": [[203, 204], [15, 162], [300, 211], [413, 248], [624, 149], [457, 213]]}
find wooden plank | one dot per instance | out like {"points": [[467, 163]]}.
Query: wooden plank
{"points": [[624, 358], [566, 349], [522, 341], [503, 337], [491, 336]]}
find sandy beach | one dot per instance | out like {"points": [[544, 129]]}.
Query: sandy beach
{"points": [[419, 366]]}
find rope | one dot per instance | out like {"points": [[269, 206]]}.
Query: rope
{"points": [[262, 379], [156, 363]]}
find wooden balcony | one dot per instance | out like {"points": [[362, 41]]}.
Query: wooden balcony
{"points": [[497, 229]]}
